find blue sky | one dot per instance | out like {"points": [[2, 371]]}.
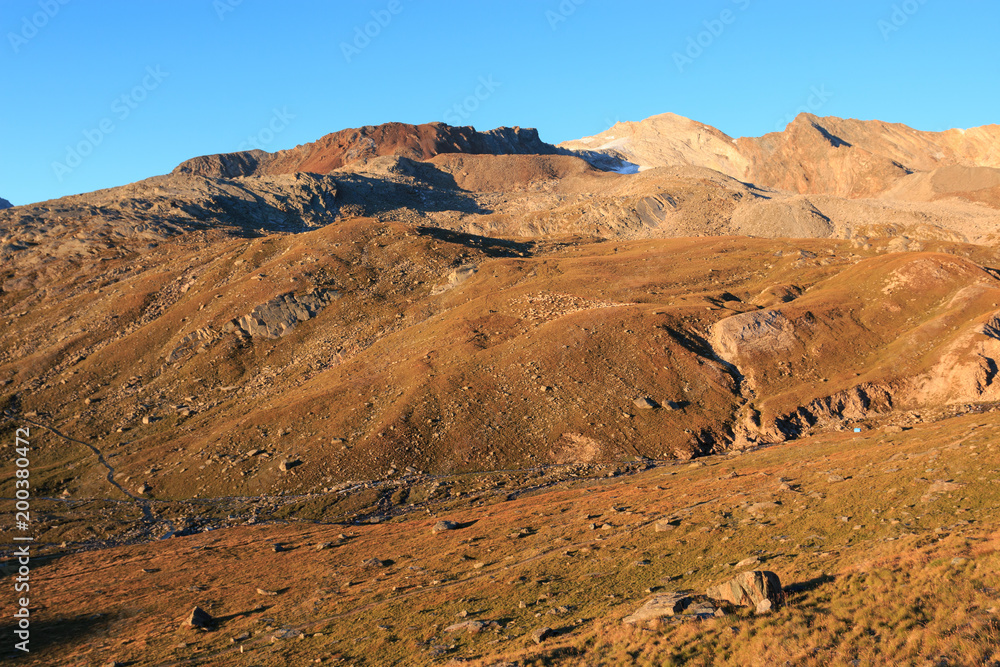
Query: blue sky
{"points": [[98, 94]]}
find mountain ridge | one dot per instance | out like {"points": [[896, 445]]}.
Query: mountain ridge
{"points": [[812, 155], [353, 145]]}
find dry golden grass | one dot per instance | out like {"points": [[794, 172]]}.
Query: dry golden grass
{"points": [[887, 592]]}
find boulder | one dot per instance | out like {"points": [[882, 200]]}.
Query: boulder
{"points": [[673, 604], [443, 526], [758, 332], [199, 618], [541, 634], [472, 627], [751, 589], [666, 525], [666, 604]]}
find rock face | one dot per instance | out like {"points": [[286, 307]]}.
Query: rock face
{"points": [[417, 142], [666, 140], [4, 203], [748, 335], [278, 316], [759, 589]]}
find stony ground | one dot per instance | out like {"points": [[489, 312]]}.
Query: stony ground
{"points": [[885, 542]]}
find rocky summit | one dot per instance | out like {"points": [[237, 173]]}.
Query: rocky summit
{"points": [[422, 394]]}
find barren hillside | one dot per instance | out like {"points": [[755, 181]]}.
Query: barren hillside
{"points": [[813, 155], [422, 393]]}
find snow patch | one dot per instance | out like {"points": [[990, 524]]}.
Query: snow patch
{"points": [[627, 168]]}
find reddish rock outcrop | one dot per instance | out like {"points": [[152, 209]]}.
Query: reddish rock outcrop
{"points": [[417, 142]]}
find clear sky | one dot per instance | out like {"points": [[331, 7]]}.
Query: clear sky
{"points": [[100, 93]]}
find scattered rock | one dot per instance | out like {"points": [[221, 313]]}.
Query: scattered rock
{"points": [[747, 562], [645, 403], [287, 465], [374, 562], [261, 591]]}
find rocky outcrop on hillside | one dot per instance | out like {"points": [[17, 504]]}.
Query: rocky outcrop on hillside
{"points": [[4, 203], [279, 316], [417, 142], [150, 211]]}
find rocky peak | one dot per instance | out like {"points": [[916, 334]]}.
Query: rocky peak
{"points": [[846, 157], [336, 150]]}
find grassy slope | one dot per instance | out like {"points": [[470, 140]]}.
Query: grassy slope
{"points": [[868, 563]]}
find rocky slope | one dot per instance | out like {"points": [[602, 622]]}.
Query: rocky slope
{"points": [[362, 349], [813, 155]]}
